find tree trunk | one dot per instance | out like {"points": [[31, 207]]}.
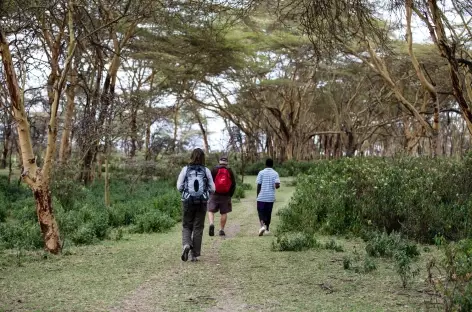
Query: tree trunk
{"points": [[10, 167], [134, 131], [86, 172], [69, 115], [6, 146], [107, 183], [99, 166], [203, 130], [148, 142], [176, 127], [289, 150], [350, 144], [47, 221]]}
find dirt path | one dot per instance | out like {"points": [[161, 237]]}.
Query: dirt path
{"points": [[207, 285]]}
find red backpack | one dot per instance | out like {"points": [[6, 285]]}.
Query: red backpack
{"points": [[222, 181]]}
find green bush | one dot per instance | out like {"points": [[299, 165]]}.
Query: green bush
{"points": [[369, 265], [81, 214], [153, 221], [122, 214], [20, 235], [24, 210], [253, 169], [170, 204], [418, 197], [451, 277], [239, 193], [353, 263], [246, 186], [387, 245], [3, 210], [333, 245], [84, 235], [12, 192], [297, 241], [394, 246]]}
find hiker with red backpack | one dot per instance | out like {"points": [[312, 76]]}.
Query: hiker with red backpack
{"points": [[225, 185]]}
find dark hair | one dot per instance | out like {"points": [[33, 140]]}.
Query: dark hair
{"points": [[269, 163], [197, 157]]}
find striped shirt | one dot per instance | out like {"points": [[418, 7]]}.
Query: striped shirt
{"points": [[267, 178]]}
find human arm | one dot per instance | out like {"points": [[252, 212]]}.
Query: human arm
{"points": [[277, 181], [181, 179], [211, 183], [259, 183]]}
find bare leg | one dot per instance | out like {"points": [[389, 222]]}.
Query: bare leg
{"points": [[211, 217], [223, 219]]}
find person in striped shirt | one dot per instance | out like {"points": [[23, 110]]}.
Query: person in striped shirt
{"points": [[267, 182]]}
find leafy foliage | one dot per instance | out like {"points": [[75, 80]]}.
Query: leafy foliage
{"points": [[415, 196], [451, 276], [83, 217], [294, 241]]}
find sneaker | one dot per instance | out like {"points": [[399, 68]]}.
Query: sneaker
{"points": [[185, 252], [211, 231], [267, 232], [222, 233], [193, 258], [262, 230]]}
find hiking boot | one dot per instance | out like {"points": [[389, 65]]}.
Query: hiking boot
{"points": [[185, 252], [193, 258], [222, 233], [262, 230], [211, 231]]}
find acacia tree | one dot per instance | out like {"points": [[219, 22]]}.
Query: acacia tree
{"points": [[38, 178]]}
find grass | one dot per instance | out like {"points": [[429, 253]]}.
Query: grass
{"points": [[239, 273]]}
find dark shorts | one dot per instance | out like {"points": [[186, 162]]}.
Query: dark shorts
{"points": [[220, 203]]}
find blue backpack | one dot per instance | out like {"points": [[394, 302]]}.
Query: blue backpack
{"points": [[195, 185]]}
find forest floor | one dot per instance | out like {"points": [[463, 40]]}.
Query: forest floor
{"points": [[240, 272]]}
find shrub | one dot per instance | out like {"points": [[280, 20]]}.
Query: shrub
{"points": [[239, 193], [387, 245], [246, 186], [20, 235], [347, 262], [369, 265], [84, 235], [66, 190], [401, 250], [254, 168], [297, 241], [3, 210], [415, 196], [451, 277], [153, 221], [151, 206], [333, 245], [170, 204], [11, 192], [404, 268]]}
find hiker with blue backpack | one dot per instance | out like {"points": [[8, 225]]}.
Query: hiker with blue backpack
{"points": [[225, 185], [195, 183]]}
